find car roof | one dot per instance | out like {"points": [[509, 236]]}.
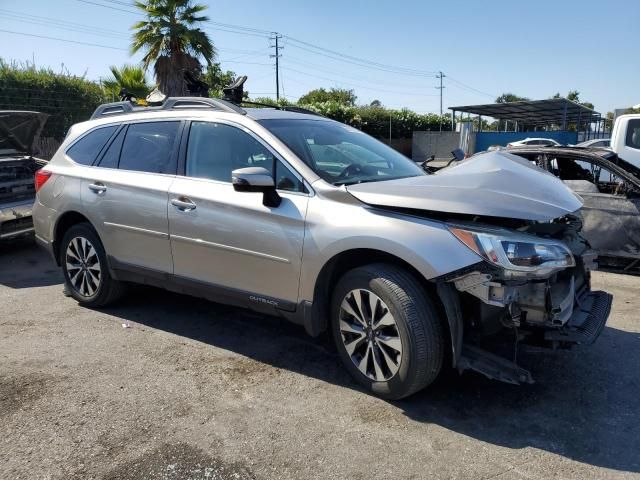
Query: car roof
{"points": [[576, 152], [272, 113]]}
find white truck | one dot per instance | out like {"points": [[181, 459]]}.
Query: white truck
{"points": [[625, 138]]}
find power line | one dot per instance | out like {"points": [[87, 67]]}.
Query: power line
{"points": [[351, 59], [414, 94], [467, 87], [359, 78], [64, 40], [117, 5]]}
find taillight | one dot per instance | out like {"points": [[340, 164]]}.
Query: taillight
{"points": [[41, 178]]}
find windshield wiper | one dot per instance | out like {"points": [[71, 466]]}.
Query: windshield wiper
{"points": [[369, 180], [354, 182]]}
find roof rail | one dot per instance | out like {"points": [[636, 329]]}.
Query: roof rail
{"points": [[285, 108], [170, 103]]}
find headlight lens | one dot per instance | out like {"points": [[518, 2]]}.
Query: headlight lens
{"points": [[516, 251]]}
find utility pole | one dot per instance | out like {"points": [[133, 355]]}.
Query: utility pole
{"points": [[441, 87], [276, 36]]}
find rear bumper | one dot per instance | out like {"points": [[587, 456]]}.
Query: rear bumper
{"points": [[590, 314], [47, 246], [16, 220]]}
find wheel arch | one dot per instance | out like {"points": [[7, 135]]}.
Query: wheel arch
{"points": [[317, 318], [63, 224]]}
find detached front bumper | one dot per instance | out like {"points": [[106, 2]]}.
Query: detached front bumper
{"points": [[16, 220]]}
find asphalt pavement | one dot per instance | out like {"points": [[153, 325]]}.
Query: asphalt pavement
{"points": [[197, 390]]}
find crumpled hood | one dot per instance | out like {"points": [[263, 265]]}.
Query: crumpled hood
{"points": [[496, 184], [20, 130]]}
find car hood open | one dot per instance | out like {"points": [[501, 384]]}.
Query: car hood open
{"points": [[495, 184], [20, 130]]}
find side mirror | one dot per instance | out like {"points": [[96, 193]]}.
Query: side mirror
{"points": [[458, 154], [256, 179]]}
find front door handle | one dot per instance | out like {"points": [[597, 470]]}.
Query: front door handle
{"points": [[184, 204], [97, 188]]}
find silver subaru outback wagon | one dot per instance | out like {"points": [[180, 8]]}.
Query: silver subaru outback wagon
{"points": [[293, 214]]}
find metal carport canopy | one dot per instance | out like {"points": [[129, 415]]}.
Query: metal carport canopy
{"points": [[535, 112]]}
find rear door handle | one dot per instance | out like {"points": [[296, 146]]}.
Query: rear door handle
{"points": [[97, 188], [184, 204]]}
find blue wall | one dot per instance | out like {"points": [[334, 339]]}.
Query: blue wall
{"points": [[485, 139]]}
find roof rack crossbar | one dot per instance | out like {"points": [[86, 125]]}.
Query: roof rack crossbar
{"points": [[170, 103]]}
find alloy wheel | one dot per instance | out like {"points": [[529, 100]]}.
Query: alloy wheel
{"points": [[370, 335], [83, 266]]}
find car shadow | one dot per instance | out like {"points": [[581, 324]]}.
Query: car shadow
{"points": [[584, 405], [24, 265]]}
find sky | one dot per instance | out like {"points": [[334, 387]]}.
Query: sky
{"points": [[385, 50]]}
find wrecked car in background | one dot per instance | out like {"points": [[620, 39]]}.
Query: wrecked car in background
{"points": [[610, 190], [19, 133]]}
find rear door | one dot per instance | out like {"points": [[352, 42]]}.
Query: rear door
{"points": [[126, 194], [230, 239]]}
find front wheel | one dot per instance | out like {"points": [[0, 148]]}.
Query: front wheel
{"points": [[387, 331], [84, 265]]}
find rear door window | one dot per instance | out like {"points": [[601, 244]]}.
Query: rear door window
{"points": [[86, 150], [112, 155], [149, 147]]}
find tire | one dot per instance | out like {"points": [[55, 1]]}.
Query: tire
{"points": [[82, 256], [408, 348]]}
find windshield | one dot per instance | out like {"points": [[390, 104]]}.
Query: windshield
{"points": [[340, 154]]}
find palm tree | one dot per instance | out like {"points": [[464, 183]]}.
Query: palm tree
{"points": [[128, 77], [169, 37]]}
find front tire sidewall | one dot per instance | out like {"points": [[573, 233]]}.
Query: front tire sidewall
{"points": [[410, 374]]}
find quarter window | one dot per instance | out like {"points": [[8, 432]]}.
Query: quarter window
{"points": [[215, 150], [85, 150], [149, 147], [633, 134]]}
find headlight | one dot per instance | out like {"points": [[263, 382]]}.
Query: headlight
{"points": [[516, 251]]}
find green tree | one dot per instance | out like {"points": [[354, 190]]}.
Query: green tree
{"points": [[574, 96], [510, 97], [338, 95], [130, 77], [170, 40], [376, 104], [217, 79]]}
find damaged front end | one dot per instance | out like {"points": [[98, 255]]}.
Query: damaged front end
{"points": [[533, 288]]}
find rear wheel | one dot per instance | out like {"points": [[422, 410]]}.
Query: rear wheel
{"points": [[84, 264], [387, 331]]}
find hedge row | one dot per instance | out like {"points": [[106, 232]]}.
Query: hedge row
{"points": [[68, 99], [375, 120]]}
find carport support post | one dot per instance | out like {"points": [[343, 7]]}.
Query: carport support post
{"points": [[453, 121], [564, 117], [578, 125]]}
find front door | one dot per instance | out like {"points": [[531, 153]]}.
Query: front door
{"points": [[229, 239]]}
